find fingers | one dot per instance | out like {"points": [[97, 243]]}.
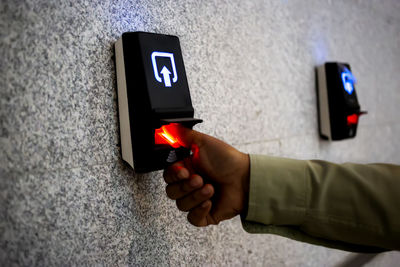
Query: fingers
{"points": [[189, 192], [198, 215], [180, 189], [194, 199], [175, 173]]}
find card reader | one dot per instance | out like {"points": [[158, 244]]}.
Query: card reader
{"points": [[338, 106], [153, 96]]}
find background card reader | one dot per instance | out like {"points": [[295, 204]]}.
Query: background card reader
{"points": [[338, 106]]}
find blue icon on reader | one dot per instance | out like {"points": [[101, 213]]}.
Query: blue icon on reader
{"points": [[348, 81], [165, 72]]}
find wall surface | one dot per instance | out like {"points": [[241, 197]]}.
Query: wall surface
{"points": [[66, 197]]}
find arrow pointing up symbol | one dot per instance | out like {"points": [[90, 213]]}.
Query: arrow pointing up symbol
{"points": [[165, 72], [167, 80]]}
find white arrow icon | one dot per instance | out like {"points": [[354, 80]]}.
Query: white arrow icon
{"points": [[167, 80], [165, 72]]}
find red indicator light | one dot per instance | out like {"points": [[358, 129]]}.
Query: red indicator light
{"points": [[352, 119], [163, 136]]}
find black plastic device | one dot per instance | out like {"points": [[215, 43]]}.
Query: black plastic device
{"points": [[338, 106], [153, 94]]}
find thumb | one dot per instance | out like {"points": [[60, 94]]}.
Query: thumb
{"points": [[186, 137]]}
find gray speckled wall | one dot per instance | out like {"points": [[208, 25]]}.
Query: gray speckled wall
{"points": [[66, 198]]}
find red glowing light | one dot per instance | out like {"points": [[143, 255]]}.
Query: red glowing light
{"points": [[352, 119], [163, 136]]}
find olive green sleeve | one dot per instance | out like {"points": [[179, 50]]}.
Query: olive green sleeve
{"points": [[353, 207]]}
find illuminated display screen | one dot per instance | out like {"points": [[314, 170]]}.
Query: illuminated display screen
{"points": [[348, 81]]}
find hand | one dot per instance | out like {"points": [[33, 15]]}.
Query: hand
{"points": [[212, 184]]}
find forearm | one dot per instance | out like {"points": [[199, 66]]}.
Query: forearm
{"points": [[349, 203]]}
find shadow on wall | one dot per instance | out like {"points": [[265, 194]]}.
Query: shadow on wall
{"points": [[149, 244]]}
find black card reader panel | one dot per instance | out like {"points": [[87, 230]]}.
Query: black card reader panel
{"points": [[152, 91], [338, 105]]}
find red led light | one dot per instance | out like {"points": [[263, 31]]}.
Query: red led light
{"points": [[163, 136], [352, 119]]}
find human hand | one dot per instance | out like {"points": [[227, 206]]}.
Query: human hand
{"points": [[212, 184]]}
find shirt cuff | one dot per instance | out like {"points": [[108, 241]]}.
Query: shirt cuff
{"points": [[277, 191]]}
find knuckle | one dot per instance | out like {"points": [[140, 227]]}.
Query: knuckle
{"points": [[168, 178], [197, 196], [184, 187], [215, 221], [190, 218], [192, 221], [180, 206], [170, 174], [168, 191], [175, 169], [193, 197]]}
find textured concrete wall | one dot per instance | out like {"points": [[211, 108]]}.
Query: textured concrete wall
{"points": [[66, 197]]}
